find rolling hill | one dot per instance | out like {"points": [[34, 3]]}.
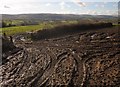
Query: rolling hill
{"points": [[50, 17]]}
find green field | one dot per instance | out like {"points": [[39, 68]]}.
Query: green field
{"points": [[19, 29], [23, 29], [116, 24]]}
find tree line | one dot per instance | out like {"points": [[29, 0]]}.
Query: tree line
{"points": [[9, 23]]}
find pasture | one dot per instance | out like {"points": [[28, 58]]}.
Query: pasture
{"points": [[44, 25]]}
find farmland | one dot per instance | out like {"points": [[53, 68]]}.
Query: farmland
{"points": [[67, 53], [18, 29], [44, 25], [15, 24], [87, 58], [31, 28]]}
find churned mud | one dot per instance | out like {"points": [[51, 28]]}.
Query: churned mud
{"points": [[84, 59]]}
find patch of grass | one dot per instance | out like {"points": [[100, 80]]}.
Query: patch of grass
{"points": [[41, 26], [19, 29], [23, 29], [116, 24]]}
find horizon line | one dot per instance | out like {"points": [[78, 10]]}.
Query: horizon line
{"points": [[56, 13]]}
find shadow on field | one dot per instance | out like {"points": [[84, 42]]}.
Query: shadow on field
{"points": [[66, 30]]}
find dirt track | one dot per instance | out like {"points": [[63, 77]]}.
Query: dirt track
{"points": [[84, 59]]}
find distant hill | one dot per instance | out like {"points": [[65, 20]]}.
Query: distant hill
{"points": [[54, 17]]}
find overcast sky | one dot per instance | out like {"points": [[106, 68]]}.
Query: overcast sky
{"points": [[94, 7]]}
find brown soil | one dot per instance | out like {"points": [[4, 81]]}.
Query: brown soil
{"points": [[85, 59]]}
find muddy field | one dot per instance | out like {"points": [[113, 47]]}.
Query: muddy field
{"points": [[84, 59]]}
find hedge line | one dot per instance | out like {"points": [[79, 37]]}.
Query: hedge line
{"points": [[66, 29]]}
